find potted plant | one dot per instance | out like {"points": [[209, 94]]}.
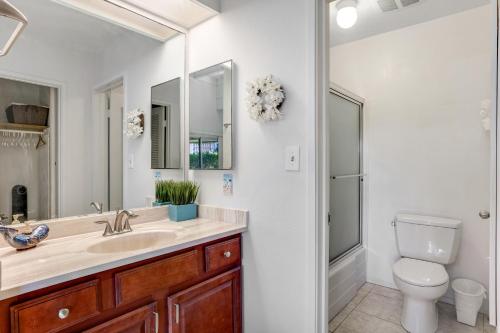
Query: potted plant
{"points": [[162, 192], [182, 196]]}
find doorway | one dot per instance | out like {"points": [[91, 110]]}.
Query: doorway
{"points": [[108, 179]]}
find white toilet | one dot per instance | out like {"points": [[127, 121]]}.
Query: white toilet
{"points": [[425, 243]]}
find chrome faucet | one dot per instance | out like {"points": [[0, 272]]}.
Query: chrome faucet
{"points": [[121, 225], [97, 206]]}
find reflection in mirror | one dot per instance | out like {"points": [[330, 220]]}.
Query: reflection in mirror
{"points": [[210, 118], [166, 125], [66, 88]]}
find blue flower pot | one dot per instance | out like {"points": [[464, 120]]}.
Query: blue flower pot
{"points": [[179, 213]]}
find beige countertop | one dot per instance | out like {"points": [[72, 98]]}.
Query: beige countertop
{"points": [[67, 258]]}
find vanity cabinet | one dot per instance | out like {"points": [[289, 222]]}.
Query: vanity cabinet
{"points": [[195, 290], [212, 306], [141, 320]]}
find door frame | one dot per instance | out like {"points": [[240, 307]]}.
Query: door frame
{"points": [[99, 102], [59, 163], [494, 273], [322, 70]]}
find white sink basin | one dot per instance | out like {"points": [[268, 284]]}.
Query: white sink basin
{"points": [[131, 241]]}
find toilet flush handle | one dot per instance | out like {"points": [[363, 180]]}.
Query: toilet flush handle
{"points": [[484, 214]]}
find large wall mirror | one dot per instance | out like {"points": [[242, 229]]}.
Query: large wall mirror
{"points": [[210, 118], [166, 125], [67, 88]]}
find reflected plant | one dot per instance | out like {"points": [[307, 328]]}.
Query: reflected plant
{"points": [[183, 192], [162, 190]]}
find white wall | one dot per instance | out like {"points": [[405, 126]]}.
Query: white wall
{"points": [[142, 63], [425, 147], [267, 37]]}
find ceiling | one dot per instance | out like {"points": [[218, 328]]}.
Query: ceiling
{"points": [[72, 29], [184, 13], [372, 21]]}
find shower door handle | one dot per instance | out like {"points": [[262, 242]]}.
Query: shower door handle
{"points": [[347, 176]]}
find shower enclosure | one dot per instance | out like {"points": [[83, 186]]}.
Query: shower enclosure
{"points": [[347, 257], [346, 172]]}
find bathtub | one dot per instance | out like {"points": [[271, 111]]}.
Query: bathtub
{"points": [[345, 278]]}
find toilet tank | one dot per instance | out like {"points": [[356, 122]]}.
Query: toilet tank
{"points": [[429, 238]]}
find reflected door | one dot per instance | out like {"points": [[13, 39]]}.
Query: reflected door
{"points": [[345, 136]]}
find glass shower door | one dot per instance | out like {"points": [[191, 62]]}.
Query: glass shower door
{"points": [[346, 173]]}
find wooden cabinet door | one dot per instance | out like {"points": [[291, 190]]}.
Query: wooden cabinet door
{"points": [[213, 306], [141, 320]]}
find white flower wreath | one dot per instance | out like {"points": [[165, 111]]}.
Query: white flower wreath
{"points": [[135, 124], [265, 97]]}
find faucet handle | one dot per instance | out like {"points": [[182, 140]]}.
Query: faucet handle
{"points": [[131, 214], [108, 230]]}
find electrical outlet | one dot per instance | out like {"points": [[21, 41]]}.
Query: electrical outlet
{"points": [[227, 185]]}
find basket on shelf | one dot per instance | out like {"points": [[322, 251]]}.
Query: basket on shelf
{"points": [[27, 114]]}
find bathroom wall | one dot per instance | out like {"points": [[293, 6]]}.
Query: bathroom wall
{"points": [[425, 148], [142, 63], [278, 249], [33, 59]]}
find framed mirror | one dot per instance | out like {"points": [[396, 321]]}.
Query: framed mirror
{"points": [[166, 125], [210, 118], [66, 134]]}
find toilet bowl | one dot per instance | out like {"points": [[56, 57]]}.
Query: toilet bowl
{"points": [[426, 244], [422, 283]]}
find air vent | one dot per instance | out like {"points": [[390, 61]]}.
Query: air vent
{"points": [[406, 3], [387, 5]]}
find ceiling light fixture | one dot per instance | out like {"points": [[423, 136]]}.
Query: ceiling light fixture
{"points": [[11, 12], [347, 14]]}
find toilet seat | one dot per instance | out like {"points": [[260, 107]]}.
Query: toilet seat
{"points": [[420, 273]]}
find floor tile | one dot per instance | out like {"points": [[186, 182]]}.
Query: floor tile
{"points": [[340, 317], [382, 307], [358, 322], [448, 321], [366, 288], [358, 299], [387, 292]]}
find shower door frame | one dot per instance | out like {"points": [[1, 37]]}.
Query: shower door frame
{"points": [[360, 101]]}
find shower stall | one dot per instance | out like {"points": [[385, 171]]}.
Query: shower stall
{"points": [[347, 258]]}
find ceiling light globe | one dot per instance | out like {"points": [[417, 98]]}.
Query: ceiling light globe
{"points": [[347, 17]]}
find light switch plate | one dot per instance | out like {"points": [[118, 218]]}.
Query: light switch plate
{"points": [[131, 161], [292, 158]]}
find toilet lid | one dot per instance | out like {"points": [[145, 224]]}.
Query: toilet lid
{"points": [[420, 273]]}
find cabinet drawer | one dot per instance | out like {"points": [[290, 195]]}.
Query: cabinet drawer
{"points": [[222, 254], [145, 280], [57, 311]]}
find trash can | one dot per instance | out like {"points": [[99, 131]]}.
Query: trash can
{"points": [[469, 297]]}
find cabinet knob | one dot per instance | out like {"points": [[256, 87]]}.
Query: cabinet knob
{"points": [[227, 254], [63, 313]]}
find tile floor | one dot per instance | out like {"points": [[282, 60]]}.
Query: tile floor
{"points": [[377, 309]]}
